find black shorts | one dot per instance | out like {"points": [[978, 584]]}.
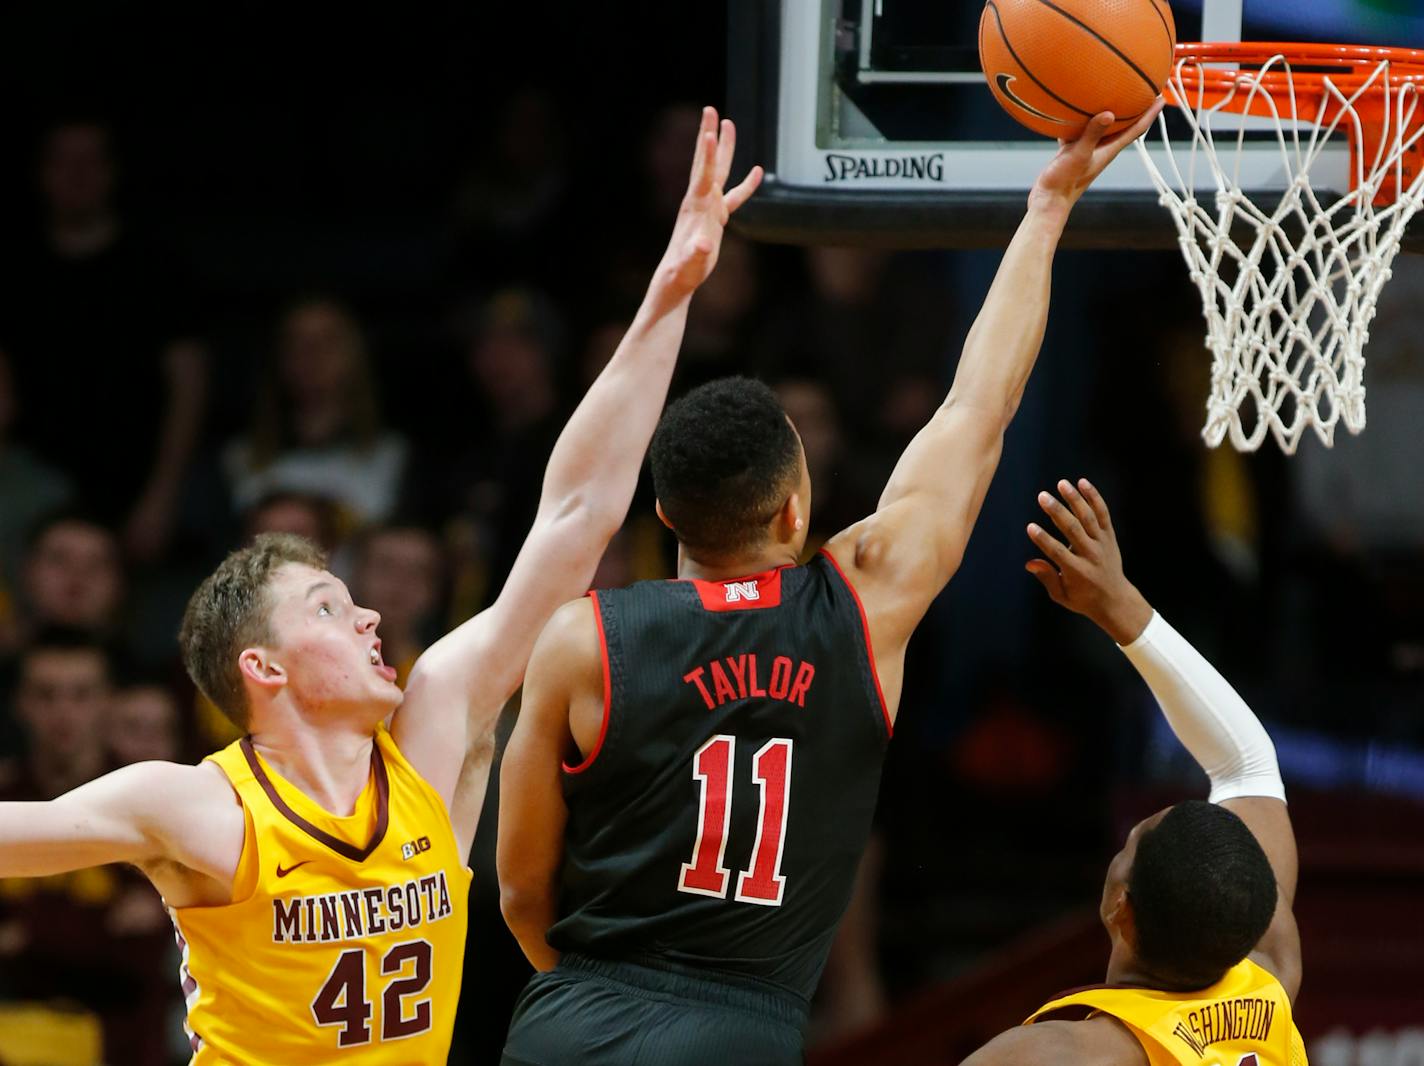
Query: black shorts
{"points": [[593, 1012]]}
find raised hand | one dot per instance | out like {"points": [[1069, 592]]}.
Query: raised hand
{"points": [[1085, 575], [697, 235], [1079, 162]]}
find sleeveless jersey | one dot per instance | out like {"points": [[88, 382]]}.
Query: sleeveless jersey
{"points": [[345, 940], [719, 822], [1242, 1020]]}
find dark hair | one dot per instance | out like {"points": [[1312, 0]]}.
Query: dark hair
{"points": [[322, 508], [271, 431], [65, 640], [1202, 893], [231, 611], [724, 457], [64, 515]]}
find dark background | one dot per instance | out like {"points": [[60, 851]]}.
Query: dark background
{"points": [[379, 156]]}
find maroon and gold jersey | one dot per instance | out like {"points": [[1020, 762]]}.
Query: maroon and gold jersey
{"points": [[345, 940]]}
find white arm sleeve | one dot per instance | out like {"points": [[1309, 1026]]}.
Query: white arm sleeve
{"points": [[1210, 719]]}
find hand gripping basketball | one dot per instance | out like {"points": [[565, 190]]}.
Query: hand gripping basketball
{"points": [[1079, 162]]}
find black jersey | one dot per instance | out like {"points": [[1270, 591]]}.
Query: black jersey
{"points": [[720, 819]]}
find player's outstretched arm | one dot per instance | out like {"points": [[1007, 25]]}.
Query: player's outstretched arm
{"points": [[138, 814], [901, 557], [566, 671], [1212, 721], [460, 684]]}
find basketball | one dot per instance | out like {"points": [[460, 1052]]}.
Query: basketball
{"points": [[1054, 64]]}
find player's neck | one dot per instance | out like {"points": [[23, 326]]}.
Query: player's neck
{"points": [[1129, 973], [723, 568], [330, 763]]}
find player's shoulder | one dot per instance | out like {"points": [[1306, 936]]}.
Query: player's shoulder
{"points": [[1101, 1040], [572, 626], [160, 783], [885, 548], [573, 634], [180, 794], [197, 816]]}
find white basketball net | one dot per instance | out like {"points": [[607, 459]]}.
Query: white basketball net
{"points": [[1288, 307]]}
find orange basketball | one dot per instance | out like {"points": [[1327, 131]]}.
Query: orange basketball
{"points": [[1054, 64]]}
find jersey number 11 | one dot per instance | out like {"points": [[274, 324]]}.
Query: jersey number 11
{"points": [[706, 874]]}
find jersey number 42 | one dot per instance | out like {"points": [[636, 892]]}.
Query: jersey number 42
{"points": [[706, 873], [342, 1000]]}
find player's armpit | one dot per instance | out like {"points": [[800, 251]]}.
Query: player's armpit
{"points": [[138, 814], [459, 686], [901, 557], [1279, 949], [566, 663]]}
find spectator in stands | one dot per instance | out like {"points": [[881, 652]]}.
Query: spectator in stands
{"points": [[487, 497], [720, 319], [73, 576], [844, 491], [629, 238], [399, 570], [863, 307], [29, 489], [142, 724], [317, 427], [97, 937], [313, 517], [511, 198], [95, 317]]}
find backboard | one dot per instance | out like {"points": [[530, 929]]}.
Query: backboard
{"points": [[875, 125]]}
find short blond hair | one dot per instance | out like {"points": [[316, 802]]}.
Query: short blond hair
{"points": [[231, 610]]}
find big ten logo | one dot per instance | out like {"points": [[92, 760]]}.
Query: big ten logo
{"points": [[411, 848]]}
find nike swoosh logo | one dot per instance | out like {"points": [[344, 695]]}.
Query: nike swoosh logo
{"points": [[1004, 81], [283, 873]]}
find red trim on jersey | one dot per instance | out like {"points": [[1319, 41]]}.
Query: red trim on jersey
{"points": [[751, 593], [869, 647], [607, 691]]}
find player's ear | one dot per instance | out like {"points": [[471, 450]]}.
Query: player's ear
{"points": [[792, 518], [1120, 918], [258, 665], [662, 515]]}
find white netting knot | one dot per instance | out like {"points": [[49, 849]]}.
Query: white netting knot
{"points": [[1288, 290]]}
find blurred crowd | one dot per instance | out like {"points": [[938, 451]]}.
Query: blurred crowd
{"points": [[149, 424]]}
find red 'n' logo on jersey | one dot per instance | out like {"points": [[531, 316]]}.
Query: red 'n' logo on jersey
{"points": [[741, 590]]}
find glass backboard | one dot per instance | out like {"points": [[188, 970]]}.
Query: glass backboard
{"points": [[875, 125]]}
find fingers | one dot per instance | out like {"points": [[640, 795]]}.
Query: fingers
{"points": [[1066, 521], [1081, 509], [1142, 125], [726, 148], [1115, 144], [1051, 546], [1049, 578], [1096, 502], [704, 156], [1092, 134], [743, 192]]}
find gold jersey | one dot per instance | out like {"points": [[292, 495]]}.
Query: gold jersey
{"points": [[345, 938], [1242, 1020]]}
